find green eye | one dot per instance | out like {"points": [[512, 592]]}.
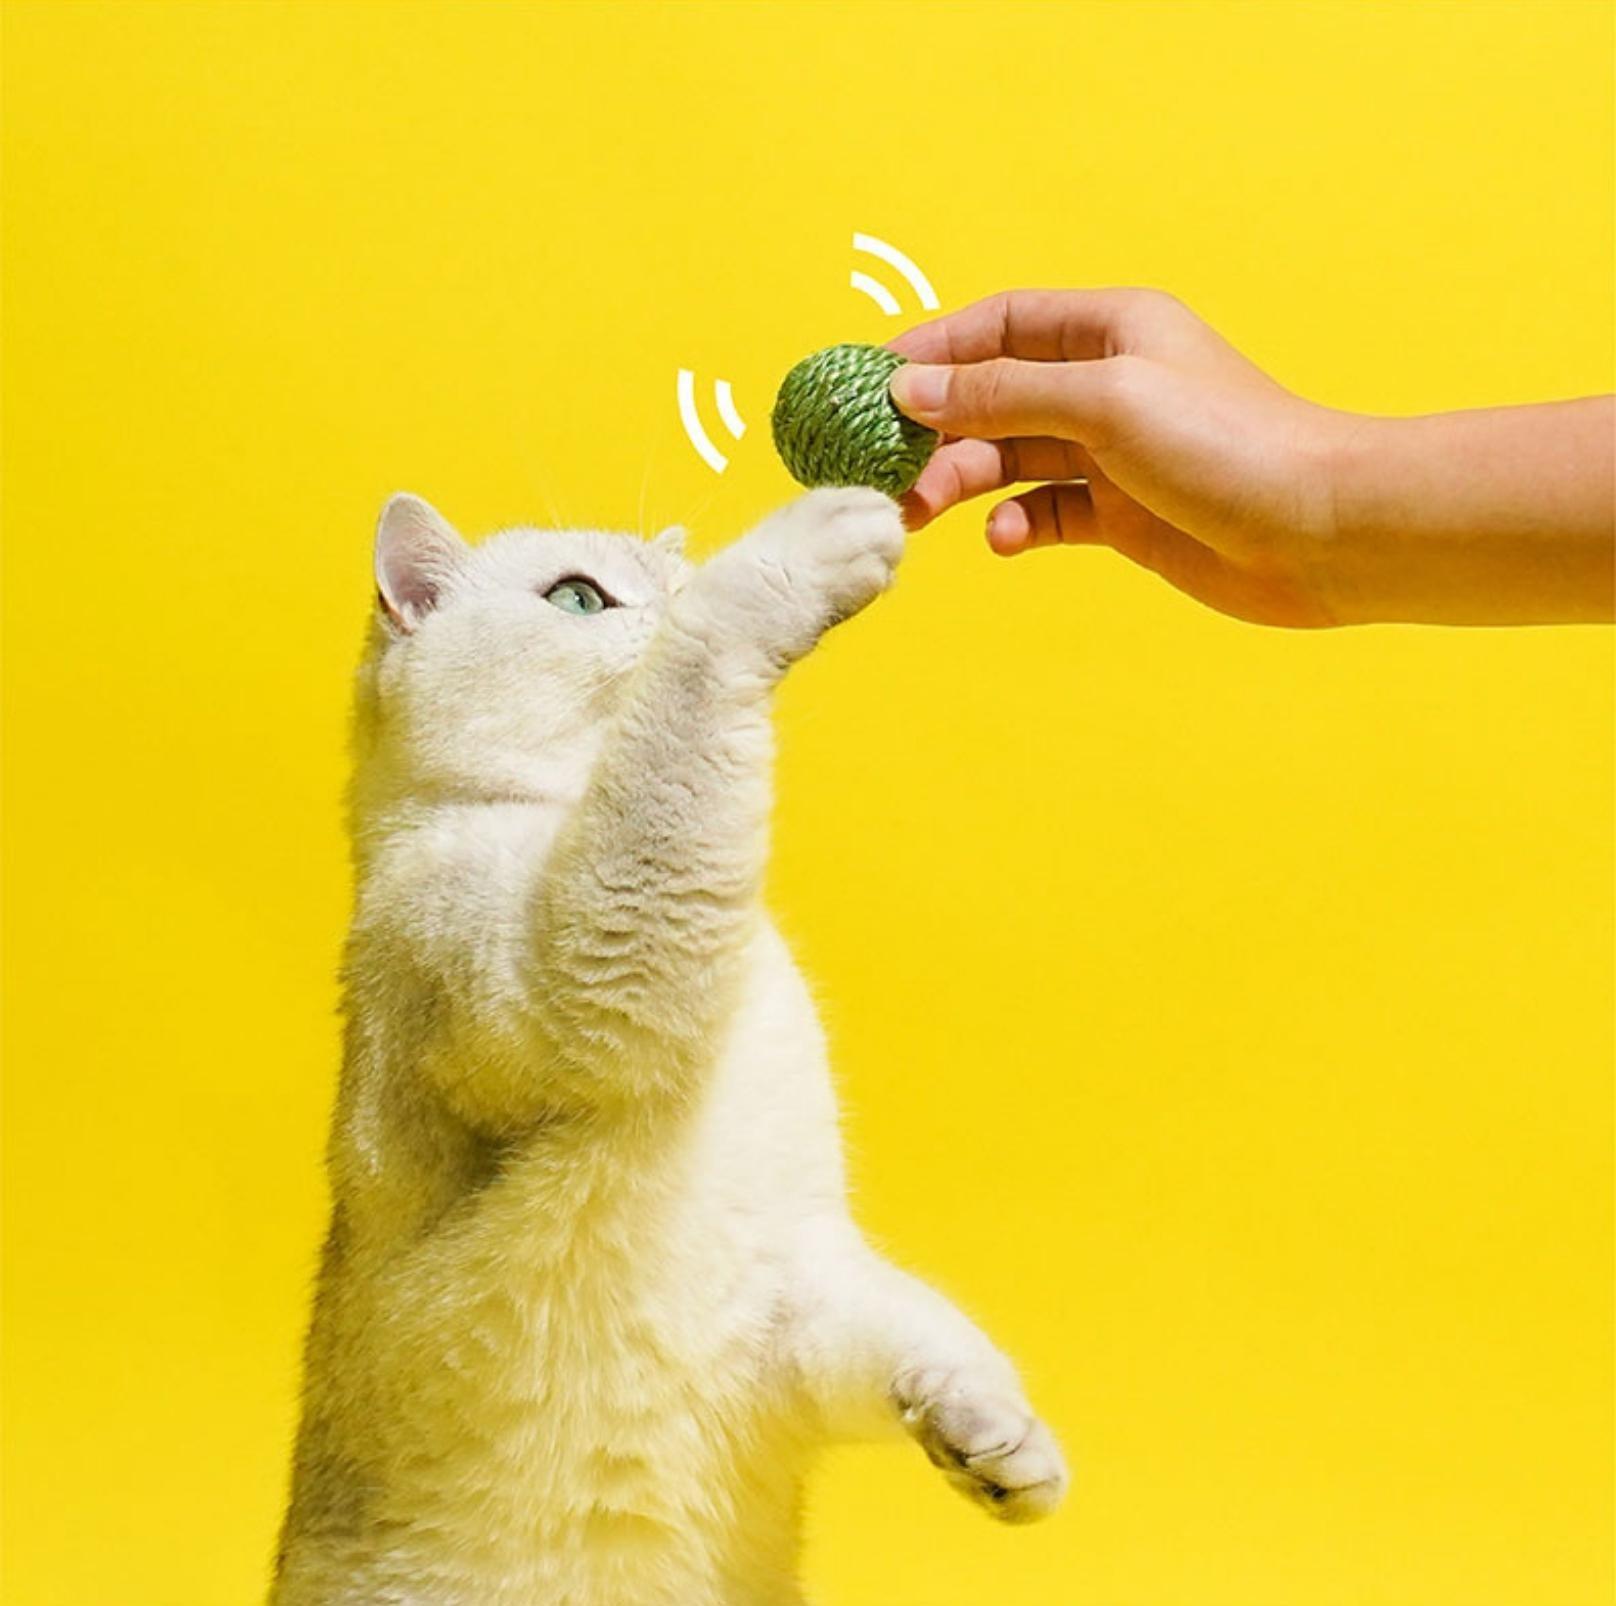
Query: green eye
{"points": [[576, 596]]}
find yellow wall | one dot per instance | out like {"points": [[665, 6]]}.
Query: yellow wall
{"points": [[1224, 1016]]}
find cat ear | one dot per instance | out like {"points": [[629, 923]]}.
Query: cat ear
{"points": [[417, 555], [671, 541]]}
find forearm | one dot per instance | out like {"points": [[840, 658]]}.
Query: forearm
{"points": [[1502, 516]]}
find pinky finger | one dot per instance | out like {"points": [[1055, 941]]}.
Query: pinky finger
{"points": [[1052, 515]]}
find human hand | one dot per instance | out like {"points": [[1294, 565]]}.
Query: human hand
{"points": [[1152, 435], [1150, 432]]}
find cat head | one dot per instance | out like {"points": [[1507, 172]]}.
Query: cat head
{"points": [[491, 668]]}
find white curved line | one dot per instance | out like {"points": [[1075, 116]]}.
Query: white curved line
{"points": [[733, 421], [893, 257], [710, 454], [876, 291]]}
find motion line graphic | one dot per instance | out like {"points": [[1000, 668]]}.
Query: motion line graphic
{"points": [[724, 397], [894, 258]]}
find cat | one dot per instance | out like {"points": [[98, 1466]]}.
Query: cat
{"points": [[591, 1296]]}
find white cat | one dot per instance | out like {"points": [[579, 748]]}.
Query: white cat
{"points": [[591, 1296]]}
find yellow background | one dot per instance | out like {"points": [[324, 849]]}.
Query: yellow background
{"points": [[1224, 1016]]}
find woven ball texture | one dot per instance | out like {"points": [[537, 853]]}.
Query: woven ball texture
{"points": [[835, 424]]}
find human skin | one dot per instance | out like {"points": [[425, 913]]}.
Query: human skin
{"points": [[1149, 433]]}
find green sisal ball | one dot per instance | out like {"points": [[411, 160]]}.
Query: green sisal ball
{"points": [[835, 424]]}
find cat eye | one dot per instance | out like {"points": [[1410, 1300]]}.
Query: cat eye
{"points": [[578, 596]]}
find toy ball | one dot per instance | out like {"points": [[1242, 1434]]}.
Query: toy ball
{"points": [[835, 424]]}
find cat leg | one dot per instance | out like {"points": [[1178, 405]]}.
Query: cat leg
{"points": [[646, 907], [876, 1349]]}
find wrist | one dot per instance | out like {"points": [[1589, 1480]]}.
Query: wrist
{"points": [[1349, 454]]}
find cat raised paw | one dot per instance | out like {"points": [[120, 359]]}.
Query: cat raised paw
{"points": [[819, 560], [842, 543], [985, 1440]]}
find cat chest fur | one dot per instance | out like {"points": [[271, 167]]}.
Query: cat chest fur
{"points": [[580, 1346]]}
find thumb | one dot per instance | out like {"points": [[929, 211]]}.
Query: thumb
{"points": [[1004, 397]]}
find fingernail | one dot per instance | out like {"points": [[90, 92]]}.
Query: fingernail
{"points": [[921, 387]]}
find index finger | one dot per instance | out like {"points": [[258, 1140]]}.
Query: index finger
{"points": [[1036, 325]]}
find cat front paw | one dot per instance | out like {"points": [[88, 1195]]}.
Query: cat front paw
{"points": [[840, 545], [985, 1440], [819, 560]]}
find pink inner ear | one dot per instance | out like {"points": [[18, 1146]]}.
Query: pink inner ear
{"points": [[416, 555], [406, 584]]}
